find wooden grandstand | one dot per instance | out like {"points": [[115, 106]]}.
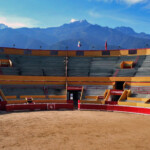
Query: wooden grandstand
{"points": [[116, 80]]}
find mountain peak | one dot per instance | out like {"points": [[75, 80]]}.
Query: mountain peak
{"points": [[78, 21], [3, 26]]}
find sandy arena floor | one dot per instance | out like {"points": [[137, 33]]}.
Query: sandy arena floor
{"points": [[74, 130]]}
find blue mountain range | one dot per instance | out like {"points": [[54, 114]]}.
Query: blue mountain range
{"points": [[92, 37]]}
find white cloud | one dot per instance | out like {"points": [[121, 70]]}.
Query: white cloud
{"points": [[73, 20], [17, 22], [129, 2]]}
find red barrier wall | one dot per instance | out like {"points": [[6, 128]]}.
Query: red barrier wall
{"points": [[69, 106], [31, 107], [138, 110], [24, 107]]}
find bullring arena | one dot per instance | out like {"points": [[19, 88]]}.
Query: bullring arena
{"points": [[74, 99], [72, 130]]}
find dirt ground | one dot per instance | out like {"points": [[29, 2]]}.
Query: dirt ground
{"points": [[74, 130]]}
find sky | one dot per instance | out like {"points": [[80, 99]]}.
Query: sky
{"points": [[53, 13]]}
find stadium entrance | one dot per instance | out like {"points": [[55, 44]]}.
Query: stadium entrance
{"points": [[119, 85], [74, 94]]}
